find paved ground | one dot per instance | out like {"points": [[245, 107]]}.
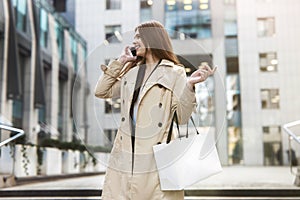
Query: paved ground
{"points": [[237, 177]]}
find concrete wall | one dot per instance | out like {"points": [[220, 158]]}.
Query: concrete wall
{"points": [[252, 80]]}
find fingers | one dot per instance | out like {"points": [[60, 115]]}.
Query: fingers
{"points": [[195, 80], [212, 71], [127, 56], [127, 50], [207, 68], [202, 74]]}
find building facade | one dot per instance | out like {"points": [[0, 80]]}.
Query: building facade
{"points": [[40, 57], [253, 93], [268, 60]]}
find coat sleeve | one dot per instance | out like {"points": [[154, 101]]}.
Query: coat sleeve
{"points": [[108, 85], [183, 99]]}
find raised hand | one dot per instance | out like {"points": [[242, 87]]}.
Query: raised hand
{"points": [[200, 75]]}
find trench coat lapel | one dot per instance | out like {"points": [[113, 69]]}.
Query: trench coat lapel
{"points": [[159, 76], [131, 79]]}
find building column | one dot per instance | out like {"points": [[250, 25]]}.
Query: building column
{"points": [[30, 114], [52, 83], [158, 11], [82, 73], [253, 152], [66, 114], [217, 10], [5, 104]]}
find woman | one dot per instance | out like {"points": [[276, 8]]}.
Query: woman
{"points": [[152, 86]]}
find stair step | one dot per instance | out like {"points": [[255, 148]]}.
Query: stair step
{"points": [[221, 194], [50, 198], [186, 198], [50, 193], [295, 192]]}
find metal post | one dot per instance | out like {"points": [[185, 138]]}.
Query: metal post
{"points": [[297, 179], [296, 138]]}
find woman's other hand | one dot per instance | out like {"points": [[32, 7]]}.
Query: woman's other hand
{"points": [[126, 56], [200, 75]]}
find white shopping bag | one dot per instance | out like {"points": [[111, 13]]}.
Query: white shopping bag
{"points": [[185, 161]]}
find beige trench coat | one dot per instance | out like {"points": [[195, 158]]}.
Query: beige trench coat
{"points": [[133, 176]]}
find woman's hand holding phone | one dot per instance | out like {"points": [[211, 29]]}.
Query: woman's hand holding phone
{"points": [[127, 55]]}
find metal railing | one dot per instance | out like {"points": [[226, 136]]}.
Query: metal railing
{"points": [[19, 132], [293, 137]]}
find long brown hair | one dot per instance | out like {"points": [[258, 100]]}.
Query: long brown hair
{"points": [[156, 39]]}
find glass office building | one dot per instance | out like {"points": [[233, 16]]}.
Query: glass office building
{"points": [[40, 57]]}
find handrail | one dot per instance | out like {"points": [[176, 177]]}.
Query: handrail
{"points": [[293, 136], [9, 128]]}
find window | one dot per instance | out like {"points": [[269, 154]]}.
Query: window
{"points": [[235, 145], [203, 4], [20, 14], [272, 145], [60, 115], [113, 105], [190, 18], [60, 5], [233, 100], [232, 65], [266, 27], [42, 115], [205, 110], [43, 28], [17, 110], [60, 40], [230, 28], [110, 135], [235, 139], [268, 62], [113, 34], [270, 98], [74, 53], [18, 113], [113, 4]]}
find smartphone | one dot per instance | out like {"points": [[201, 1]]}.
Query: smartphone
{"points": [[133, 51]]}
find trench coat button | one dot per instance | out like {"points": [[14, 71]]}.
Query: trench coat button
{"points": [[121, 137], [123, 101], [123, 119], [125, 82], [159, 124], [160, 105]]}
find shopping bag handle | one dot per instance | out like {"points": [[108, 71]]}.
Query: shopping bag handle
{"points": [[175, 118]]}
